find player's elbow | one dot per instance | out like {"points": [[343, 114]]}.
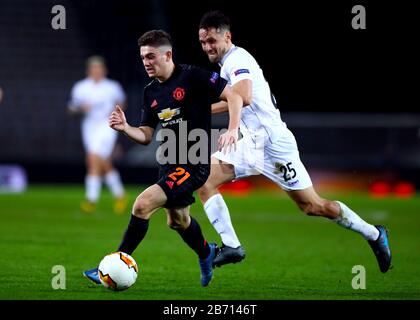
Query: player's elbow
{"points": [[147, 135], [147, 141], [247, 99]]}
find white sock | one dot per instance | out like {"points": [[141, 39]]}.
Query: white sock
{"points": [[350, 220], [113, 181], [218, 214], [93, 188]]}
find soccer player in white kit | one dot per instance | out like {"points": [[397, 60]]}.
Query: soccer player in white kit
{"points": [[95, 97], [268, 147]]}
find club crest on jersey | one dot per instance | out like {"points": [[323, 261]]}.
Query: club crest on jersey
{"points": [[178, 94], [154, 104], [214, 77], [168, 113]]}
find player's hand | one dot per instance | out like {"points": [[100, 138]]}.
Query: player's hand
{"points": [[227, 141], [117, 120]]}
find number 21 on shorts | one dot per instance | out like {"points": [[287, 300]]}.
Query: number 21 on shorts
{"points": [[179, 175]]}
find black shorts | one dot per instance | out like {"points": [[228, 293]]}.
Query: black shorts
{"points": [[180, 181]]}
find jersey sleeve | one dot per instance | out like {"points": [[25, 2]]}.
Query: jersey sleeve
{"points": [[76, 96], [212, 84], [148, 117], [238, 69]]}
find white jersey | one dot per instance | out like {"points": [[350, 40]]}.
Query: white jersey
{"points": [[261, 115], [98, 138], [268, 147], [101, 96]]}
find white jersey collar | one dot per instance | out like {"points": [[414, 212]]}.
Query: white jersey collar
{"points": [[91, 80], [233, 47]]}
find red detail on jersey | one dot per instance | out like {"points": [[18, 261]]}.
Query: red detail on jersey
{"points": [[178, 94], [154, 104], [170, 183]]}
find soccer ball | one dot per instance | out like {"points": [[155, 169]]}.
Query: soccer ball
{"points": [[118, 271]]}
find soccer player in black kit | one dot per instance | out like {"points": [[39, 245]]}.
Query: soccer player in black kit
{"points": [[179, 95]]}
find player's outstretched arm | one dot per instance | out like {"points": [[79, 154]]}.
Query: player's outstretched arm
{"points": [[243, 88], [118, 122], [219, 107], [235, 102], [79, 109]]}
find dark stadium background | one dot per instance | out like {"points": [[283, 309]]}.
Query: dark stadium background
{"points": [[349, 96], [345, 93]]}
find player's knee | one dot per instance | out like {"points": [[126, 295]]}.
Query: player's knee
{"points": [[142, 208], [206, 191]]}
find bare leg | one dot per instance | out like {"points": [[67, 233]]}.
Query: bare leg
{"points": [[220, 173], [313, 205], [147, 203], [310, 203]]}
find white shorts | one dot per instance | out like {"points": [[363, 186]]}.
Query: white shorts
{"points": [[98, 138], [277, 159]]}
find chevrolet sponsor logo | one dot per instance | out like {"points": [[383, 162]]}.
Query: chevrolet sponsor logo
{"points": [[168, 113]]}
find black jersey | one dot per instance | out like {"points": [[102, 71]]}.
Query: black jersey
{"points": [[182, 103]]}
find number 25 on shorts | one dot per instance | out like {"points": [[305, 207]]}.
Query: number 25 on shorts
{"points": [[179, 175]]}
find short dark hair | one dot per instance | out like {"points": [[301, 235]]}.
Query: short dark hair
{"points": [[215, 19], [155, 38]]}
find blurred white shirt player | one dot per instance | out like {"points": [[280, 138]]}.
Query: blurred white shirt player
{"points": [[95, 98], [268, 147]]}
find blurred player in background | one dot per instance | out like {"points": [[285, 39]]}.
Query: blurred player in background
{"points": [[179, 97], [95, 97], [268, 147]]}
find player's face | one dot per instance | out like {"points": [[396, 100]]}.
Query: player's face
{"points": [[214, 44], [154, 60], [97, 71]]}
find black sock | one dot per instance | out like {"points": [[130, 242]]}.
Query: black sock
{"points": [[134, 234], [195, 239]]}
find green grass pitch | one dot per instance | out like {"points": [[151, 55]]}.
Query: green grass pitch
{"points": [[289, 255]]}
